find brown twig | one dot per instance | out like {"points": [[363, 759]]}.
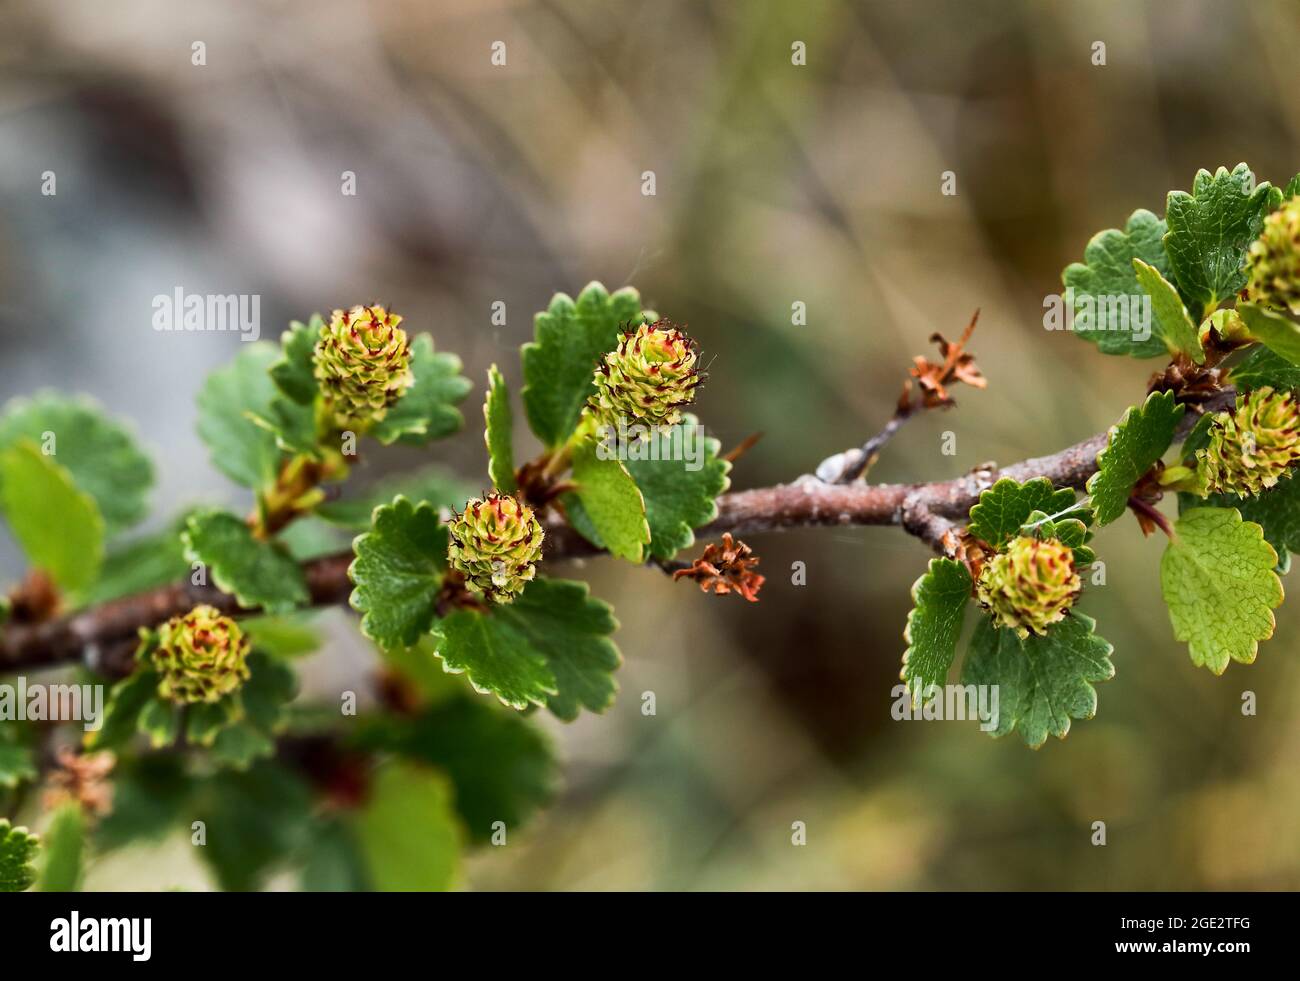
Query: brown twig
{"points": [[103, 636]]}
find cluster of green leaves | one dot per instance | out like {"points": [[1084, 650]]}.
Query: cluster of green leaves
{"points": [[1219, 573], [552, 646], [452, 772], [1043, 680]]}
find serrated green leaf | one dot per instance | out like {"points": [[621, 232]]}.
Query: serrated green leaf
{"points": [[241, 449], [258, 574], [503, 767], [497, 434], [428, 409], [398, 571], [1172, 322], [17, 849], [549, 647], [933, 626], [1218, 581], [611, 501], [408, 830], [1107, 271], [64, 846], [1279, 334], [1138, 440], [1276, 510], [58, 526], [570, 339], [102, 457], [1210, 231], [293, 371], [678, 499], [1264, 368], [1043, 681], [561, 619], [434, 485], [495, 658], [1007, 505]]}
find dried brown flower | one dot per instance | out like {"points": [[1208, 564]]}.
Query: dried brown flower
{"points": [[725, 568]]}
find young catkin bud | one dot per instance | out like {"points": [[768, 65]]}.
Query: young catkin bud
{"points": [[201, 656], [647, 379], [363, 363], [1273, 264], [1254, 447], [1030, 585], [495, 543]]}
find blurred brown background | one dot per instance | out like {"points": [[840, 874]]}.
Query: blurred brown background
{"points": [[775, 183]]}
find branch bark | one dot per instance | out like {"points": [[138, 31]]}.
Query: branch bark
{"points": [[103, 637]]}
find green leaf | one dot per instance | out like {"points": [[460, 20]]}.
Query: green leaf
{"points": [[497, 435], [408, 830], [256, 573], [1210, 231], [1292, 188], [1007, 505], [435, 485], [398, 571], [1107, 271], [1043, 681], [334, 862], [1276, 511], [263, 700], [102, 457], [241, 449], [503, 768], [255, 821], [58, 526], [428, 409], [1218, 582], [1279, 334], [933, 626], [141, 564], [559, 365], [204, 720], [294, 371], [282, 637], [1134, 445], [549, 647], [679, 499], [495, 657], [293, 425], [160, 720], [150, 794], [122, 710], [64, 850], [611, 501], [1264, 368], [571, 629], [1172, 321], [17, 849]]}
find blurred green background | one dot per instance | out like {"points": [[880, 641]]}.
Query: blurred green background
{"points": [[775, 183]]}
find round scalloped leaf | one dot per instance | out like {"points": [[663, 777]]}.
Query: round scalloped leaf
{"points": [[1135, 443], [398, 572], [1007, 505], [933, 626], [1218, 582]]}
